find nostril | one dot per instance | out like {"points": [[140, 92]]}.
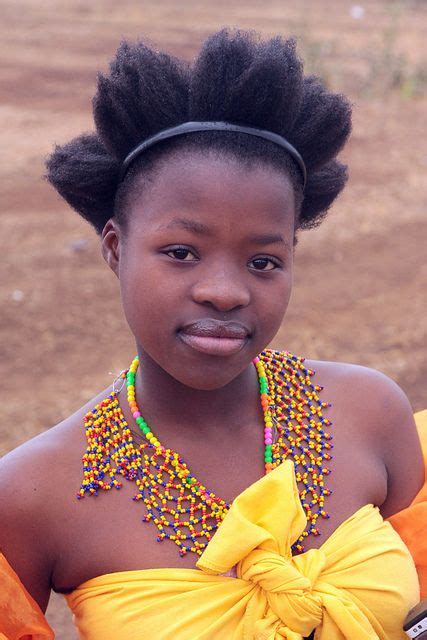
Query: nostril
{"points": [[223, 307], [220, 296]]}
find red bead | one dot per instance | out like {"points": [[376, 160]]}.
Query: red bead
{"points": [[289, 391]]}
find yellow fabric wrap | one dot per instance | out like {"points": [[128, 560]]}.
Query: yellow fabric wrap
{"points": [[359, 585], [345, 589]]}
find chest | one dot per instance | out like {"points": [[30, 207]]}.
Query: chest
{"points": [[107, 533]]}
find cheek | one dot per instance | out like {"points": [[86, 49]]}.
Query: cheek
{"points": [[273, 300], [146, 295]]}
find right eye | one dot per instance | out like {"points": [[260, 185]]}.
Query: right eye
{"points": [[183, 254]]}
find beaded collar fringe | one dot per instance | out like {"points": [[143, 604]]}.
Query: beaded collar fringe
{"points": [[181, 507]]}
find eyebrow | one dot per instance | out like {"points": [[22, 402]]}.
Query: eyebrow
{"points": [[268, 238], [188, 225], [201, 229]]}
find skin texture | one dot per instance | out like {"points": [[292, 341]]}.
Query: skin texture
{"points": [[205, 407]]}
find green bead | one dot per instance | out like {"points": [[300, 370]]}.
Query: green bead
{"points": [[140, 420], [268, 448]]}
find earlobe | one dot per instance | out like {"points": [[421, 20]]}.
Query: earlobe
{"points": [[110, 245]]}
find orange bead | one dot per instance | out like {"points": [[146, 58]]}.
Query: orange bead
{"points": [[288, 397]]}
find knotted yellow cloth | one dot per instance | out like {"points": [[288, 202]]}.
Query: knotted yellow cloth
{"points": [[360, 584]]}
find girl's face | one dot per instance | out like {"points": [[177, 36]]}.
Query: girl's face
{"points": [[205, 265]]}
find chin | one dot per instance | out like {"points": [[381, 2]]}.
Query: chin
{"points": [[212, 376], [207, 385]]}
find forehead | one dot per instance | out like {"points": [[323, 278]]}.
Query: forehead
{"points": [[215, 190]]}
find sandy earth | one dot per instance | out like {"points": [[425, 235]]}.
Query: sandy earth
{"points": [[360, 277]]}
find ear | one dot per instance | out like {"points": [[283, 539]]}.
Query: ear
{"points": [[110, 245]]}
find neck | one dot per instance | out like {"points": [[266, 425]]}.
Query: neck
{"points": [[164, 400]]}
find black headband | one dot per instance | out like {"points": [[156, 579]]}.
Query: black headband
{"points": [[191, 127]]}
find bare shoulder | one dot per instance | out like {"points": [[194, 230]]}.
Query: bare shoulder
{"points": [[32, 478], [379, 409]]}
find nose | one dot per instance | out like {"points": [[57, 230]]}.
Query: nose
{"points": [[221, 288]]}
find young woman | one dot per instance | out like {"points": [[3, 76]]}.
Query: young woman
{"points": [[266, 477]]}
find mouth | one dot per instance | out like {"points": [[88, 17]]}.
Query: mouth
{"points": [[215, 337]]}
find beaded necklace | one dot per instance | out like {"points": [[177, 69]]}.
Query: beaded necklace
{"points": [[185, 474], [181, 507]]}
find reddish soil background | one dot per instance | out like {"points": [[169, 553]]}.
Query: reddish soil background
{"points": [[360, 277]]}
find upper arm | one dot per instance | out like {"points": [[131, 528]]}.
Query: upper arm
{"points": [[397, 440], [24, 537], [32, 478]]}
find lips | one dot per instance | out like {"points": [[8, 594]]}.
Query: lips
{"points": [[215, 337]]}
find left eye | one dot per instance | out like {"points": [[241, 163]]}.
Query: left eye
{"points": [[263, 264], [181, 253]]}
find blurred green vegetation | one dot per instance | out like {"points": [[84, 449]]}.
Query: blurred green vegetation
{"points": [[378, 70]]}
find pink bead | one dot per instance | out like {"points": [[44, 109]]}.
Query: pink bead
{"points": [[268, 441], [268, 431], [136, 414]]}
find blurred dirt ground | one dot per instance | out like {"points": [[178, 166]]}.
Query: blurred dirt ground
{"points": [[360, 278]]}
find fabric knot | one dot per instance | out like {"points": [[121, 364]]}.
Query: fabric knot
{"points": [[288, 585], [345, 589]]}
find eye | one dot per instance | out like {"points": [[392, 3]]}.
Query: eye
{"points": [[183, 254], [264, 264]]}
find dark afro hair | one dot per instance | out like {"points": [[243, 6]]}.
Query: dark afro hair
{"points": [[236, 78]]}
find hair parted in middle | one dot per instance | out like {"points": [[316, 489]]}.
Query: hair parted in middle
{"points": [[236, 78]]}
